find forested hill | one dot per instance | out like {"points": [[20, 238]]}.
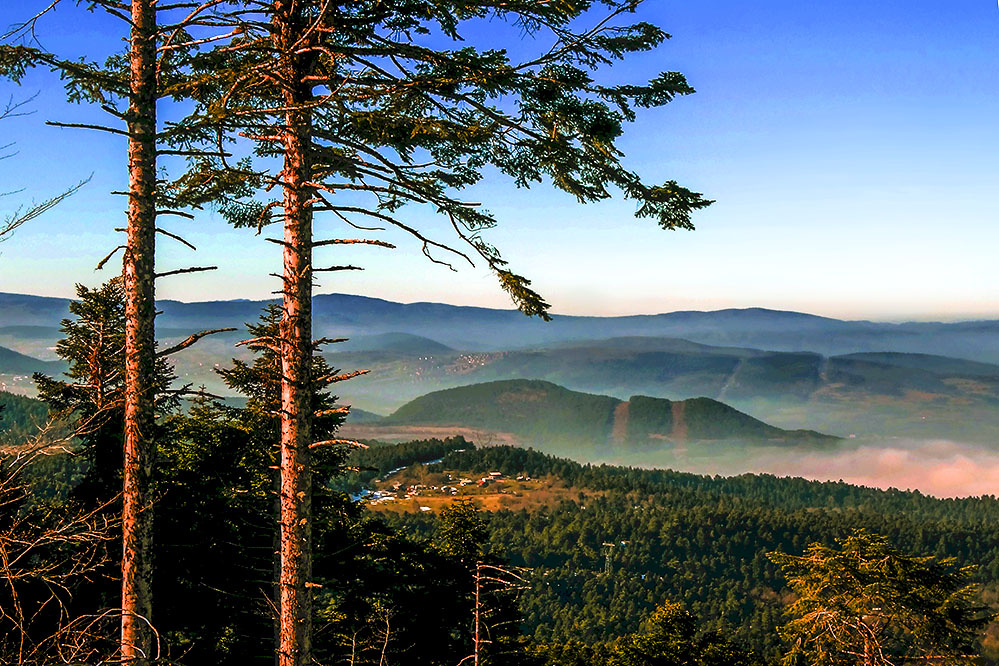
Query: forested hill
{"points": [[20, 417], [551, 417], [625, 540]]}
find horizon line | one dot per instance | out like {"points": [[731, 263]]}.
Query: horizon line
{"points": [[914, 319]]}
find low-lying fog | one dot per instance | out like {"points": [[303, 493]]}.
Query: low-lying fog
{"points": [[935, 467]]}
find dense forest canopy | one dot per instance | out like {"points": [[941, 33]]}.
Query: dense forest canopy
{"points": [[696, 539], [20, 417], [599, 563]]}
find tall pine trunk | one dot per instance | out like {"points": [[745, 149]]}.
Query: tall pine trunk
{"points": [[295, 602], [140, 367]]}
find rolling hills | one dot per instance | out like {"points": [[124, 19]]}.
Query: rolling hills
{"points": [[16, 370], [474, 328], [15, 363], [793, 370]]}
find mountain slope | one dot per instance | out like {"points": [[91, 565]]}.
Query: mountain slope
{"points": [[877, 394], [790, 369], [551, 417], [538, 411], [404, 343], [653, 420], [941, 365], [15, 363]]}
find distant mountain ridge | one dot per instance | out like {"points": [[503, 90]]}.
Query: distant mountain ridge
{"points": [[484, 329], [551, 417]]}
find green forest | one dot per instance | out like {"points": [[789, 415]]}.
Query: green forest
{"points": [[635, 552], [701, 541]]}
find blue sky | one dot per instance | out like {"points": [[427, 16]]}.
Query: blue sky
{"points": [[852, 148]]}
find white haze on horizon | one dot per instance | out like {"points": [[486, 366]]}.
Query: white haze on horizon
{"points": [[939, 468], [935, 467]]}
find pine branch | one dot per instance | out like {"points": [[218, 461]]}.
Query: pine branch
{"points": [[334, 269], [353, 241], [327, 341]]}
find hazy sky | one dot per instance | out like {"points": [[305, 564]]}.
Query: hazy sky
{"points": [[852, 148]]}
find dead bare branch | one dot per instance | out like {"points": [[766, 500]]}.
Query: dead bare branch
{"points": [[193, 269], [191, 339], [175, 237], [107, 258], [332, 379], [338, 442]]}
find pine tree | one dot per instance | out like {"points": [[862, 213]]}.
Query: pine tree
{"points": [[153, 62], [139, 271], [671, 638], [369, 106], [866, 603], [264, 383], [461, 532], [93, 397]]}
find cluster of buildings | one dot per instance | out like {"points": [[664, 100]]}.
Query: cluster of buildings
{"points": [[399, 491]]}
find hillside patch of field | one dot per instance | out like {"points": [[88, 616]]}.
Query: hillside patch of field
{"points": [[416, 489]]}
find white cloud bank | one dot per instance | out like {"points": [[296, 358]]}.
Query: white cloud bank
{"points": [[934, 467], [939, 468]]}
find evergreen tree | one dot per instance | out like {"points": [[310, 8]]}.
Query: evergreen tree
{"points": [[91, 398], [128, 88], [373, 105], [868, 604], [373, 588], [461, 532], [671, 639], [213, 530], [260, 382], [91, 401]]}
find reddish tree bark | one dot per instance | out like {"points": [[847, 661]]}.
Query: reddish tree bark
{"points": [[140, 351], [295, 576]]}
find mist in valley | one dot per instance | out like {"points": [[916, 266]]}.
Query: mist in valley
{"points": [[937, 467]]}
